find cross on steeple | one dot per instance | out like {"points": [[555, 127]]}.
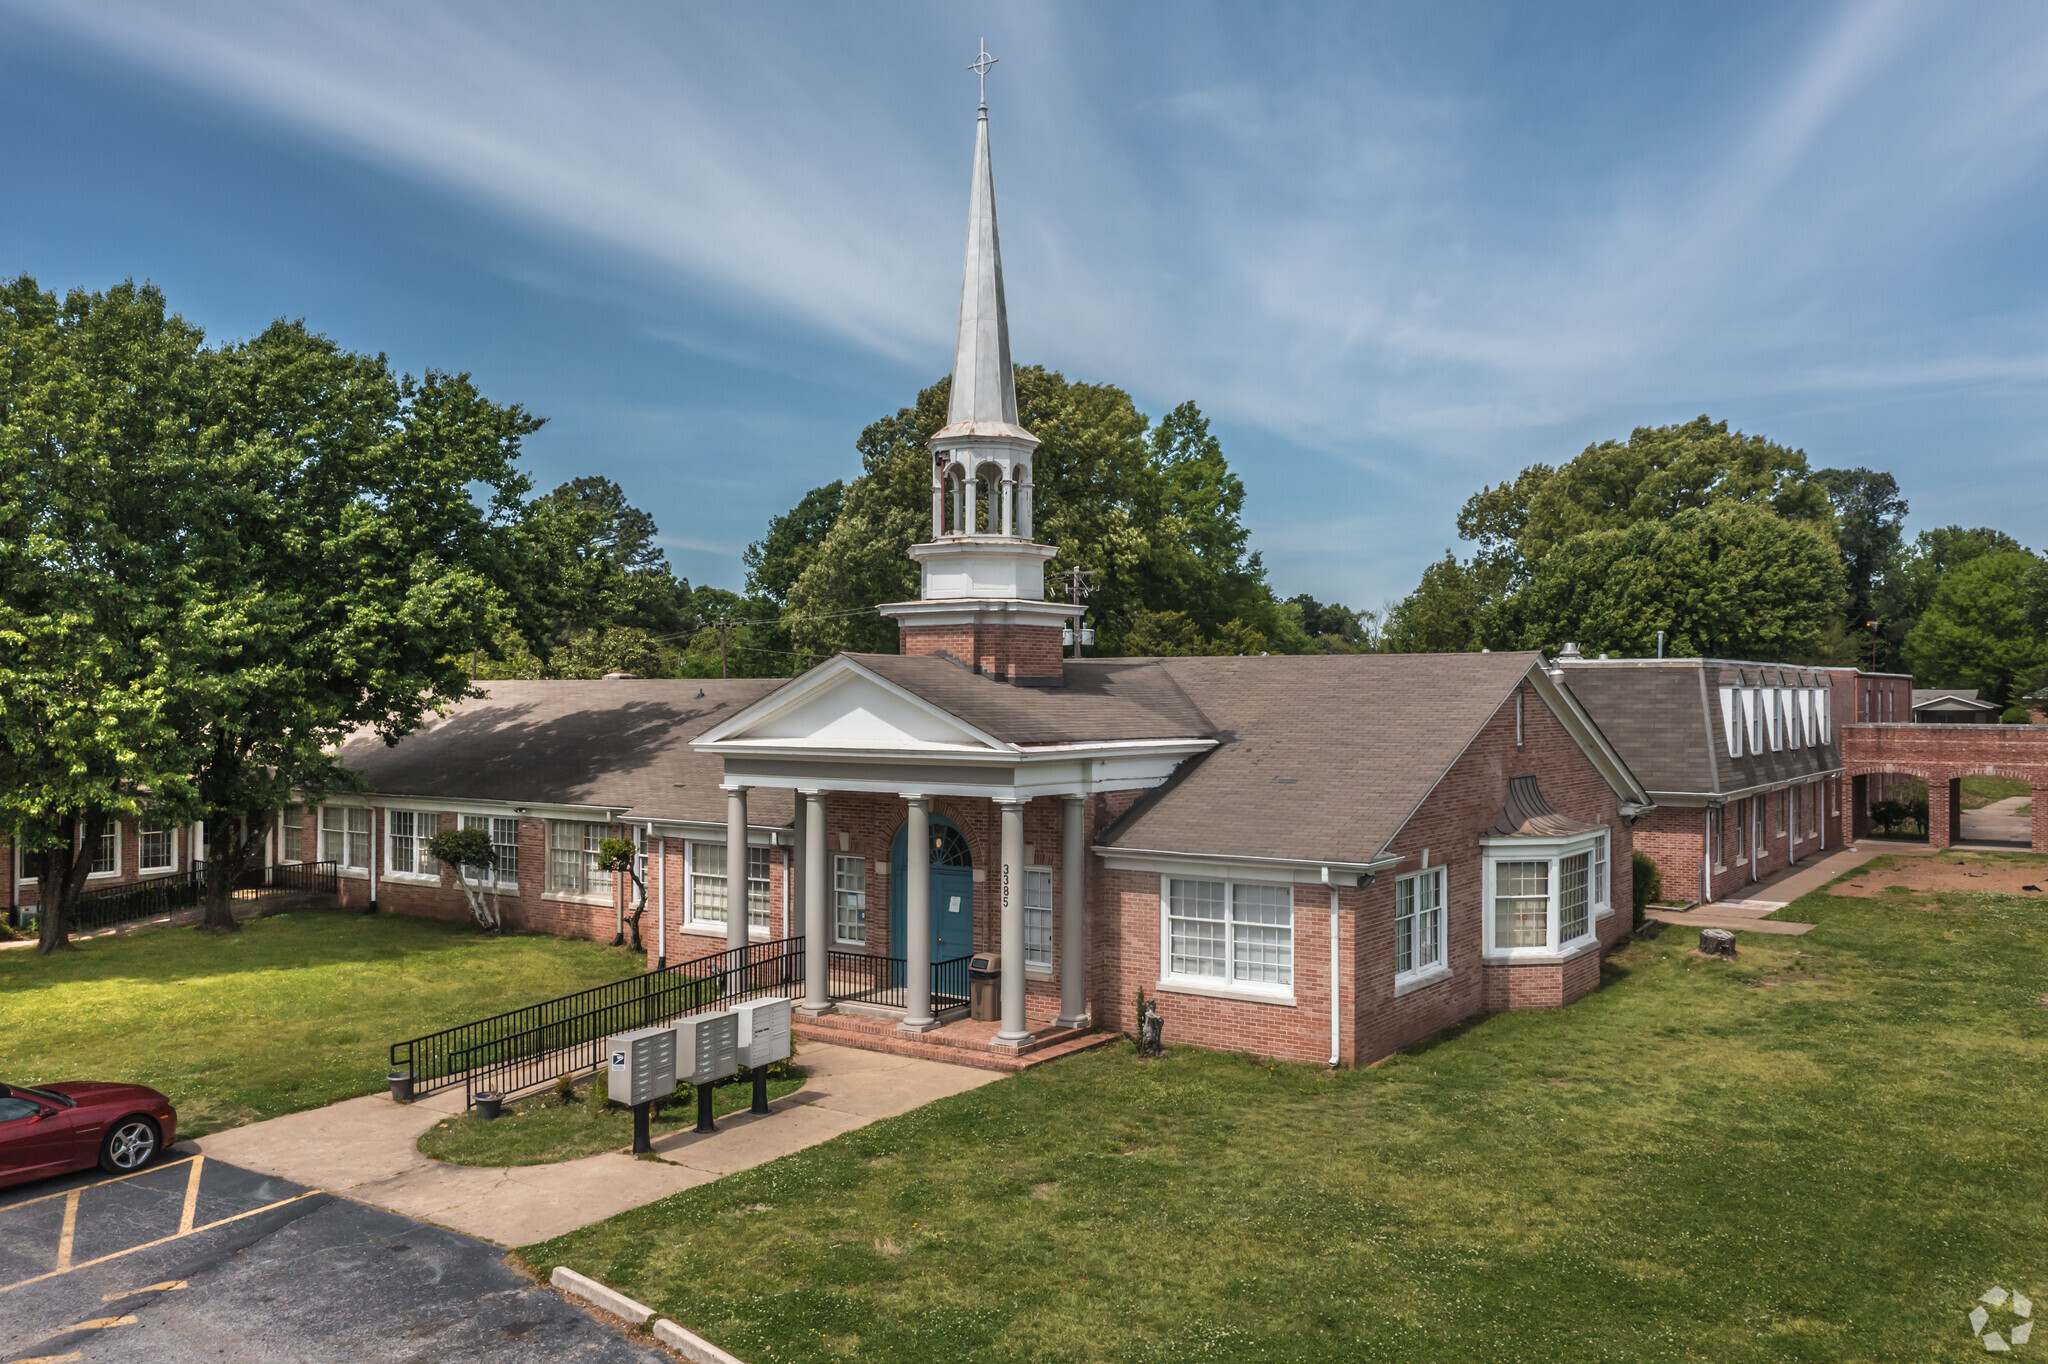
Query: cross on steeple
{"points": [[980, 66]]}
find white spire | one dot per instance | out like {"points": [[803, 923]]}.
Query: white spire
{"points": [[984, 398]]}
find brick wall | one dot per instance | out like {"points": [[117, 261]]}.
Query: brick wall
{"points": [[1005, 651], [1942, 755]]}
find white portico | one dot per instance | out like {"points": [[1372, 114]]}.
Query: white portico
{"points": [[875, 741]]}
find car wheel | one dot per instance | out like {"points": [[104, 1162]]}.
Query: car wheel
{"points": [[130, 1145]]}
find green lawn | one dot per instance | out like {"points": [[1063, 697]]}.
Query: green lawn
{"points": [[1823, 1151], [543, 1129], [293, 1012], [1980, 790]]}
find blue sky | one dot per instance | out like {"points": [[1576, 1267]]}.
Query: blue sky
{"points": [[1394, 252]]}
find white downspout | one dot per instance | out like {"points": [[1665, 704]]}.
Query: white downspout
{"points": [[1336, 980], [376, 847], [660, 899]]}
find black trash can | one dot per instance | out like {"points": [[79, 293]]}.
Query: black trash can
{"points": [[985, 987]]}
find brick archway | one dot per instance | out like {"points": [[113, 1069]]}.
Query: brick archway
{"points": [[1942, 755]]}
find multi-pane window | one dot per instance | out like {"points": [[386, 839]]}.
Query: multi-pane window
{"points": [[1419, 922], [1038, 918], [709, 896], [294, 833], [1521, 904], [1230, 932], [1574, 897], [106, 850], [1742, 830], [156, 850], [849, 898], [345, 836], [1716, 828], [409, 831], [504, 833], [1600, 873], [572, 858]]}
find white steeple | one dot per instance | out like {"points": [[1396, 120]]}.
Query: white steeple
{"points": [[983, 577]]}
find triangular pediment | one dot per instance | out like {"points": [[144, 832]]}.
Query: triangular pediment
{"points": [[842, 707]]}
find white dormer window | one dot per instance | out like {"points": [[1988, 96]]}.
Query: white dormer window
{"points": [[1806, 716], [1731, 721], [1752, 718], [1770, 698], [1824, 707]]}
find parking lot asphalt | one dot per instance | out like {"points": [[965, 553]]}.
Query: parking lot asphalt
{"points": [[195, 1259]]}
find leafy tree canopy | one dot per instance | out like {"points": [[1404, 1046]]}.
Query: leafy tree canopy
{"points": [[1154, 512], [1869, 518], [1986, 627]]}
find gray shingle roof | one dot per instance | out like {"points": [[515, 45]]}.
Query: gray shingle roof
{"points": [[623, 743], [1323, 757], [1664, 717], [1103, 700]]}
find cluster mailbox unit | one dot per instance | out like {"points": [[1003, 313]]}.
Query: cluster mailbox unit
{"points": [[651, 1063], [643, 1069], [764, 1040], [707, 1051]]}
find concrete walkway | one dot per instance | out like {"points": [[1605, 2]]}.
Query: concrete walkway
{"points": [[366, 1149], [2000, 822]]}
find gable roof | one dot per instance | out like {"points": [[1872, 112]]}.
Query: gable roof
{"points": [[622, 743], [1322, 757], [1950, 699]]}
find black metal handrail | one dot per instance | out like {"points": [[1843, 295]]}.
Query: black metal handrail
{"points": [[573, 1044], [105, 906], [440, 1059], [862, 979], [949, 983]]}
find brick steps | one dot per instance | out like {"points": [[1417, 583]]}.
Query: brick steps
{"points": [[969, 1047]]}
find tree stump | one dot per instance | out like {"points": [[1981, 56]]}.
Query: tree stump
{"points": [[1717, 942]]}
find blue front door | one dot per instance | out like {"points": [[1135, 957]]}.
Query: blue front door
{"points": [[952, 867]]}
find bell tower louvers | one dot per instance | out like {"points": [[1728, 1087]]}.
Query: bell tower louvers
{"points": [[983, 595]]}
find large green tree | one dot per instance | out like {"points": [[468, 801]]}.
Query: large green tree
{"points": [[1660, 508], [1986, 627], [95, 393], [1153, 512], [1732, 580], [1869, 519]]}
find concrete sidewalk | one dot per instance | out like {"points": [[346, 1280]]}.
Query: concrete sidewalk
{"points": [[366, 1149]]}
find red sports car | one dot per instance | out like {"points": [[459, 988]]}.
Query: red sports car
{"points": [[54, 1129]]}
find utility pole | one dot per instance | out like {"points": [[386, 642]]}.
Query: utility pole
{"points": [[724, 628], [1078, 581]]}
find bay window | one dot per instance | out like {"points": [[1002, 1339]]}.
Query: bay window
{"points": [[1543, 895], [1418, 923], [1229, 933]]}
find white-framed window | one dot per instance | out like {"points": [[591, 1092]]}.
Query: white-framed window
{"points": [[849, 898], [1806, 717], [345, 836], [504, 874], [1770, 698], [406, 833], [1717, 828], [294, 822], [572, 858], [1038, 918], [1752, 719], [106, 850], [1823, 700], [1230, 933], [1784, 799], [1418, 923], [1731, 721], [1742, 831], [1603, 901], [1543, 895], [709, 894], [156, 849]]}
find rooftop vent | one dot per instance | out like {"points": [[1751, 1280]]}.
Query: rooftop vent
{"points": [[616, 677], [1570, 651]]}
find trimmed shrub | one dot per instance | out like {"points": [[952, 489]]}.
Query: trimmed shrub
{"points": [[2016, 715], [1649, 879]]}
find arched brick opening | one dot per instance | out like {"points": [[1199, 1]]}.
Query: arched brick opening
{"points": [[1942, 755]]}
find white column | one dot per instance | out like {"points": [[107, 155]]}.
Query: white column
{"points": [[917, 918], [938, 497], [1074, 912], [1024, 506], [735, 867], [660, 899], [799, 849], [1011, 897], [1009, 496], [817, 932]]}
